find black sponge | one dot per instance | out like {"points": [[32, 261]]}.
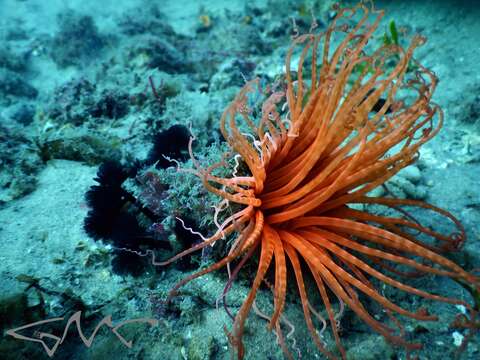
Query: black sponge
{"points": [[105, 200], [172, 143], [113, 219]]}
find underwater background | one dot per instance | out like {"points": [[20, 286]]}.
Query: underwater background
{"points": [[95, 95]]}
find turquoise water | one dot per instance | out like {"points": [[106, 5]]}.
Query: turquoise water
{"points": [[125, 84]]}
